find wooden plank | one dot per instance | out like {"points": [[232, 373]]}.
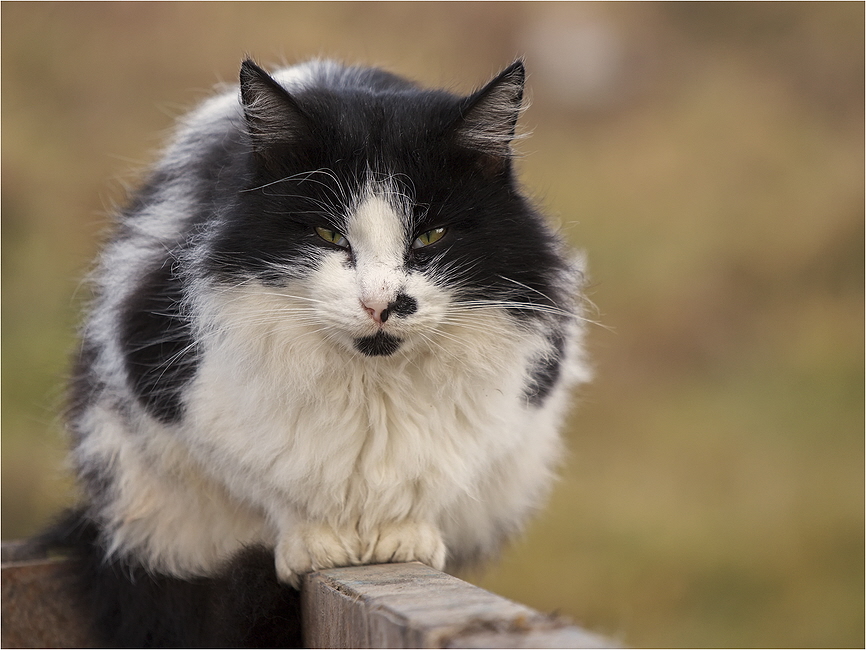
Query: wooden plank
{"points": [[381, 606], [21, 551], [413, 606], [35, 611]]}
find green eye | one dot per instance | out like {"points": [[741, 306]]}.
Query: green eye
{"points": [[332, 237], [429, 237]]}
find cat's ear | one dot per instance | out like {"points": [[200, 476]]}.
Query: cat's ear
{"points": [[272, 114], [489, 116]]}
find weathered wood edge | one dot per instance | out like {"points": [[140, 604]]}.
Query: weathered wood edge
{"points": [[35, 611], [414, 606], [21, 551]]}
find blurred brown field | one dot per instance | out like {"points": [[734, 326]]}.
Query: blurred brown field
{"points": [[708, 157]]}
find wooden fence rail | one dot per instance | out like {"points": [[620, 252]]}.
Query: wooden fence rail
{"points": [[380, 606]]}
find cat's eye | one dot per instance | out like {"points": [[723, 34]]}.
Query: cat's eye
{"points": [[429, 237], [332, 237]]}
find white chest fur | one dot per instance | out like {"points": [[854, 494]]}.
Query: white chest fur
{"points": [[344, 437], [355, 443]]}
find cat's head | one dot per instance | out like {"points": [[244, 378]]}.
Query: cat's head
{"points": [[382, 211]]}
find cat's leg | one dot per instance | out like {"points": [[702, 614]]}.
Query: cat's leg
{"points": [[405, 541], [305, 546]]}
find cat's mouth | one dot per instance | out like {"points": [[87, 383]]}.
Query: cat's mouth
{"points": [[380, 344]]}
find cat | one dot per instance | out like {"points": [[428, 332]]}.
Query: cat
{"points": [[330, 329]]}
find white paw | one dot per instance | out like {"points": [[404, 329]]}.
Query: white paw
{"points": [[407, 542], [310, 547]]}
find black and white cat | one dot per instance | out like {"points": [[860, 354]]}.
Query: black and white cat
{"points": [[329, 330]]}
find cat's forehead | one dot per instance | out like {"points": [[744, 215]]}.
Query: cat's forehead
{"points": [[382, 205], [378, 223]]}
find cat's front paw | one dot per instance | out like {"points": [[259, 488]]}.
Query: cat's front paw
{"points": [[407, 541], [311, 547]]}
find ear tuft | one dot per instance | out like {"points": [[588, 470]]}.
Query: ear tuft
{"points": [[272, 114], [489, 116]]}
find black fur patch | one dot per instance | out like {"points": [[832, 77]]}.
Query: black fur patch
{"points": [[404, 305], [545, 373], [159, 351], [243, 606], [380, 344], [342, 125]]}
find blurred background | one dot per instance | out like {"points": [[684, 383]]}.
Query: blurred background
{"points": [[708, 157]]}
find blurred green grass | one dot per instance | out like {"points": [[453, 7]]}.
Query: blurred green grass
{"points": [[713, 495]]}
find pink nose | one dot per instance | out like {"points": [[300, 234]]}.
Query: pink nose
{"points": [[378, 310]]}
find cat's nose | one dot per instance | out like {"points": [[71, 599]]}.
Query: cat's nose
{"points": [[378, 310]]}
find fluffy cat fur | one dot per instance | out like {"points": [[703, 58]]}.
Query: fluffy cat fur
{"points": [[329, 330]]}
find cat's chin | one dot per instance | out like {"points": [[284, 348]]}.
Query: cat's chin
{"points": [[380, 344]]}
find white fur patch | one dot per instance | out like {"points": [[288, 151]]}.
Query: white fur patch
{"points": [[377, 234]]}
